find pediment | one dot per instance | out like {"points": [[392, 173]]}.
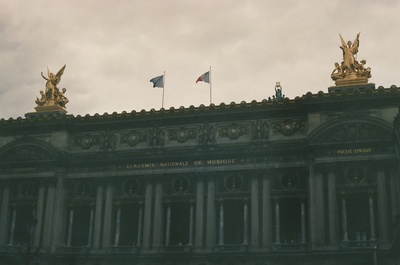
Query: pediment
{"points": [[352, 130], [25, 150]]}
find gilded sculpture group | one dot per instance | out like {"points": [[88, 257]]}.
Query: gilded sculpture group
{"points": [[52, 96], [350, 68]]}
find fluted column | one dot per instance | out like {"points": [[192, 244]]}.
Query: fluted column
{"points": [[49, 213], [140, 226], [117, 226], [266, 214], [191, 223], [245, 222], [395, 193], [198, 238], [5, 199], [210, 234], [313, 208], [371, 217], [91, 223], [277, 223], [333, 212], [344, 219], [168, 225], [320, 203], [12, 226], [70, 226], [98, 217], [255, 225], [303, 221], [108, 216], [58, 233], [39, 215], [147, 214], [382, 208], [158, 216], [221, 223]]}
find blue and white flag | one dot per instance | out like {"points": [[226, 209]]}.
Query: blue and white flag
{"points": [[158, 81]]}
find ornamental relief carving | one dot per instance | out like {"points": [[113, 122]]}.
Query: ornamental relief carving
{"points": [[259, 130], [289, 127], [233, 131], [105, 140], [133, 138], [181, 134]]}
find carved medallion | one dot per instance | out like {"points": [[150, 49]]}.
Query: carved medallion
{"points": [[233, 131], [289, 127], [133, 138]]}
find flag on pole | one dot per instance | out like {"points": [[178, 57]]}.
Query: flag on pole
{"points": [[204, 77], [158, 81]]}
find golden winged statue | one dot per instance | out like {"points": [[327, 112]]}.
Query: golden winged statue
{"points": [[350, 71], [52, 96]]}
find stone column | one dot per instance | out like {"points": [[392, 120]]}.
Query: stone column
{"points": [[245, 222], [333, 212], [168, 225], [117, 226], [58, 232], [39, 215], [140, 226], [12, 226], [320, 203], [210, 234], [382, 208], [198, 238], [91, 221], [277, 223], [266, 214], [108, 216], [372, 217], [147, 214], [344, 219], [255, 225], [49, 213], [394, 192], [221, 223], [303, 222], [313, 208], [5, 199], [191, 223], [98, 216], [70, 226], [158, 215]]}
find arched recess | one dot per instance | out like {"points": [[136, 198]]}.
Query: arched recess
{"points": [[26, 151], [352, 129]]}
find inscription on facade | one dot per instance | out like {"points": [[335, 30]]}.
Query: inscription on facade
{"points": [[185, 163], [354, 151]]}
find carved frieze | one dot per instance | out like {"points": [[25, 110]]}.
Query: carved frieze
{"points": [[233, 131], [156, 137], [260, 130], [206, 134], [289, 127], [105, 140], [26, 153], [181, 134], [133, 138]]}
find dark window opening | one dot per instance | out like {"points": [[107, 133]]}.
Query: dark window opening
{"points": [[179, 224], [233, 222], [358, 218], [80, 226], [24, 214], [129, 225], [290, 220]]}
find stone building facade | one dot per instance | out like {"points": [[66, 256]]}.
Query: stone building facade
{"points": [[310, 180]]}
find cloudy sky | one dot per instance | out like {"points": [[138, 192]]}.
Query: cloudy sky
{"points": [[113, 48]]}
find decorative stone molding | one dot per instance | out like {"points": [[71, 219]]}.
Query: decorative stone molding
{"points": [[233, 131], [289, 127]]}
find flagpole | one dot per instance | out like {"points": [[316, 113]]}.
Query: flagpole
{"points": [[162, 104], [209, 76]]}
